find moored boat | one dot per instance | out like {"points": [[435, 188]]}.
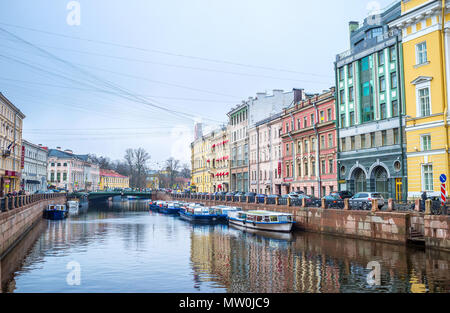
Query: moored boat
{"points": [[171, 208], [198, 214], [262, 220], [224, 211], [73, 206], [56, 212]]}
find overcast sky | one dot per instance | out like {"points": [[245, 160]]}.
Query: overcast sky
{"points": [[138, 73]]}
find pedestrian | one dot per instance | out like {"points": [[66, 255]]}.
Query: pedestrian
{"points": [[422, 202]]}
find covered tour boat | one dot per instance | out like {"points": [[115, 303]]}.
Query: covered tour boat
{"points": [[224, 211], [56, 212], [262, 220], [198, 214]]}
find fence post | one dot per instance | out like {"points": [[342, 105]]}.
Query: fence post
{"points": [[277, 201], [248, 199], [288, 201], [390, 205], [6, 204], [375, 205], [13, 205], [303, 203], [428, 204], [265, 200], [256, 200], [417, 205], [346, 204], [324, 204]]}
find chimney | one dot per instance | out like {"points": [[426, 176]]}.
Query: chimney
{"points": [[261, 95], [277, 92]]}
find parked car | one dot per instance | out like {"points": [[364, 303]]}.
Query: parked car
{"points": [[250, 194], [342, 194], [333, 201], [239, 194], [363, 200], [230, 194]]}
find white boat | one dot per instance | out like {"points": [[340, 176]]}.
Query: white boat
{"points": [[262, 220], [73, 206]]}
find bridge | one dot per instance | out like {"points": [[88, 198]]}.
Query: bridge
{"points": [[105, 195]]}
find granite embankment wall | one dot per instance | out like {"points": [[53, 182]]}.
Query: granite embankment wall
{"points": [[386, 226], [20, 214]]}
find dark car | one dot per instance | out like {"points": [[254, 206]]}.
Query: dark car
{"points": [[239, 194], [334, 202], [250, 194], [229, 194], [342, 194]]}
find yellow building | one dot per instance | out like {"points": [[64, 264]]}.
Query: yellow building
{"points": [[425, 53], [11, 124], [111, 180], [199, 171], [219, 160]]}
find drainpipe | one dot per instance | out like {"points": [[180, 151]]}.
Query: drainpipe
{"points": [[337, 126], [317, 169], [294, 161], [257, 160], [444, 83], [401, 115]]}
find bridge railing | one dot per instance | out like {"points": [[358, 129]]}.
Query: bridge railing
{"points": [[16, 202]]}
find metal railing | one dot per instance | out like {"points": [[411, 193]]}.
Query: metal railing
{"points": [[16, 202]]}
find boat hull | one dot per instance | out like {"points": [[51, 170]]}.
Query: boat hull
{"points": [[199, 218], [55, 215], [169, 211], [274, 227]]}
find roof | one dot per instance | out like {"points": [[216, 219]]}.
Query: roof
{"points": [[65, 155], [111, 173], [6, 101]]}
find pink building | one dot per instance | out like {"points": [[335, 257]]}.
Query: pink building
{"points": [[265, 156], [310, 146]]}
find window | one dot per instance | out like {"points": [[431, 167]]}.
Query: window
{"points": [[381, 58], [323, 168], [424, 101], [313, 168], [427, 177], [426, 142], [350, 70], [343, 148], [64, 176], [287, 148], [393, 54], [350, 94], [394, 80], [341, 73], [287, 170], [383, 138], [382, 84], [342, 120], [305, 122], [306, 146], [395, 110], [342, 96], [331, 166], [352, 118], [363, 141], [396, 136], [313, 121], [322, 117], [299, 145], [352, 139], [299, 124], [421, 53], [372, 140], [365, 64], [383, 111], [322, 142], [329, 115], [330, 140]]}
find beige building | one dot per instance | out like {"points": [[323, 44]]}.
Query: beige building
{"points": [[11, 162], [218, 162]]}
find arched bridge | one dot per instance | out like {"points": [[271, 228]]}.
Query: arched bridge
{"points": [[105, 195]]}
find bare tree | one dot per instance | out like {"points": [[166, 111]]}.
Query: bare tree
{"points": [[136, 161], [172, 167]]}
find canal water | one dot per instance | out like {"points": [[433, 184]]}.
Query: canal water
{"points": [[122, 247]]}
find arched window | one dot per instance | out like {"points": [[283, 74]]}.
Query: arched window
{"points": [[360, 181]]}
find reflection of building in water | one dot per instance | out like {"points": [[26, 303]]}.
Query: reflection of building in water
{"points": [[310, 263]]}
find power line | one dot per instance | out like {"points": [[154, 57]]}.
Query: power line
{"points": [[163, 52]]}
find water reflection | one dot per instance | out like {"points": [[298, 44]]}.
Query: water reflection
{"points": [[122, 247]]}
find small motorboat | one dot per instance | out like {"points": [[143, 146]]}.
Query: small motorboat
{"points": [[198, 214], [262, 220], [56, 212], [157, 205], [73, 206]]}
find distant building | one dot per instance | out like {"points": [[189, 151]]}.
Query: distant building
{"points": [[110, 180], [72, 172], [34, 173], [11, 124]]}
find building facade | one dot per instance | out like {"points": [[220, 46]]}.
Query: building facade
{"points": [[72, 172], [218, 162], [11, 119], [266, 156], [370, 109], [34, 173], [426, 47], [111, 180], [199, 171], [309, 146]]}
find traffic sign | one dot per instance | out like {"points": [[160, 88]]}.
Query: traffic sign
{"points": [[443, 195], [443, 178]]}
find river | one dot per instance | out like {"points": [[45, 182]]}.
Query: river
{"points": [[122, 247]]}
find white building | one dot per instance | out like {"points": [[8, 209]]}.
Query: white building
{"points": [[72, 172], [34, 172]]}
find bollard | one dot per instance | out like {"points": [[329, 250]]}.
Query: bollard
{"points": [[277, 201], [390, 205], [324, 204], [248, 199], [20, 201], [265, 200], [6, 204], [256, 200], [375, 205], [417, 205], [303, 203], [428, 204], [288, 201], [346, 204], [13, 205]]}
